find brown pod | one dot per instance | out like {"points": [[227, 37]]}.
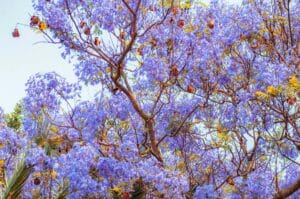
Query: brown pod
{"points": [[36, 181], [140, 50], [16, 33], [87, 31], [34, 20], [122, 35], [191, 89], [175, 10], [180, 23], [174, 70], [82, 24], [230, 181], [211, 24], [97, 41], [171, 20], [291, 100]]}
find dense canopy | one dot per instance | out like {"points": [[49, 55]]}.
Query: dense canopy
{"points": [[194, 100]]}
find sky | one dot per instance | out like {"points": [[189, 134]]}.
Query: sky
{"points": [[21, 57]]}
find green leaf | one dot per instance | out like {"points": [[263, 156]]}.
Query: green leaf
{"points": [[139, 190], [63, 194], [16, 183], [97, 31], [14, 118], [64, 190]]}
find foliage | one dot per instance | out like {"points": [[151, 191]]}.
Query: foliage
{"points": [[14, 118], [15, 185]]}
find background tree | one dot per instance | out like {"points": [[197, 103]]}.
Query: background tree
{"points": [[14, 119]]}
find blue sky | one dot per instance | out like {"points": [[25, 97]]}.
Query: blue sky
{"points": [[20, 57]]}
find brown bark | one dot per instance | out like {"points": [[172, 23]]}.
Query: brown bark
{"points": [[283, 193]]}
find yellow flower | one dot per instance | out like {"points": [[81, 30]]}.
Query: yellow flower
{"points": [[2, 145], [116, 189], [181, 165], [271, 90], [2, 162], [194, 157], [42, 26], [57, 140], [261, 95], [185, 5], [53, 174], [294, 83], [189, 28], [222, 133], [37, 174], [52, 128]]}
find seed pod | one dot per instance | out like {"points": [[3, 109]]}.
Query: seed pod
{"points": [[87, 31], [211, 24], [37, 181], [174, 70], [82, 24], [34, 20], [172, 20], [180, 23], [126, 195], [230, 181], [140, 50], [191, 89], [97, 41], [122, 35], [16, 33], [291, 100], [175, 10]]}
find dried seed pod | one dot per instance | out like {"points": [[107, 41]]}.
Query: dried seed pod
{"points": [[87, 31], [230, 181], [82, 24], [36, 181], [211, 24], [97, 41], [174, 70], [191, 89], [140, 50], [122, 35], [291, 100], [180, 23], [16, 33], [34, 20]]}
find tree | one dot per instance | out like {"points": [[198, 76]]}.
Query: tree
{"points": [[195, 100], [14, 119]]}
